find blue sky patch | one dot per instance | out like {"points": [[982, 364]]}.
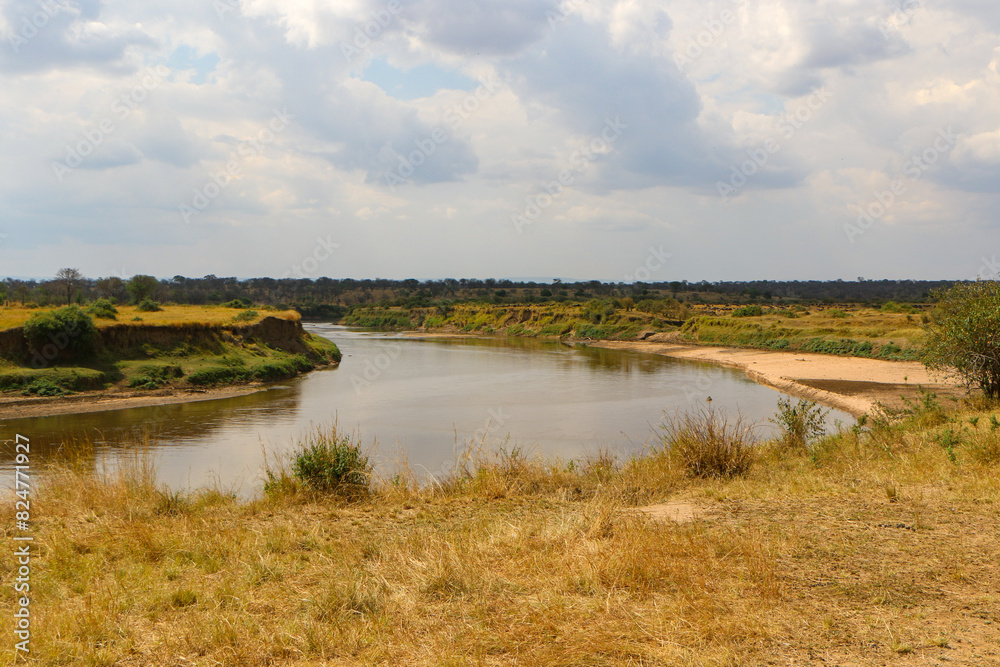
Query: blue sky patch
{"points": [[412, 84], [185, 58]]}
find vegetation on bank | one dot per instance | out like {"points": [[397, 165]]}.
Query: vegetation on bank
{"points": [[872, 546], [596, 318], [201, 348], [851, 331]]}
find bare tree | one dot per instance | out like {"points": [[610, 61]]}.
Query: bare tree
{"points": [[69, 279]]}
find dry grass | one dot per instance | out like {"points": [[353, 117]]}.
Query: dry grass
{"points": [[807, 558], [15, 316]]}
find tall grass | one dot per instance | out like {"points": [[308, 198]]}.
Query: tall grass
{"points": [[708, 444], [518, 559]]}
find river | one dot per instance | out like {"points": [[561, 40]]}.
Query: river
{"points": [[418, 400]]}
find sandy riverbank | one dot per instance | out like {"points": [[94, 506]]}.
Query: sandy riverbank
{"points": [[851, 384]]}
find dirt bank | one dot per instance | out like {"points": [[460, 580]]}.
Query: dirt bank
{"points": [[851, 384]]}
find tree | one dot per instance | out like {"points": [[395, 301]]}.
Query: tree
{"points": [[69, 279], [112, 288], [142, 287], [964, 335]]}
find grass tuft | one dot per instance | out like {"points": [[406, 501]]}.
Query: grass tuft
{"points": [[709, 445]]}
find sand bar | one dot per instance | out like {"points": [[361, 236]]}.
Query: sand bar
{"points": [[851, 384]]}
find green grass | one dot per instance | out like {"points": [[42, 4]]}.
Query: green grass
{"points": [[149, 367], [592, 319], [866, 333]]}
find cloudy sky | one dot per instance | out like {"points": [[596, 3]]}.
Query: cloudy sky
{"points": [[607, 139]]}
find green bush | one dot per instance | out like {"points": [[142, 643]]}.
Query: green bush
{"points": [[148, 306], [49, 334], [246, 316], [748, 311], [154, 377], [799, 423], [240, 303], [709, 446], [103, 309], [836, 313], [330, 463], [962, 337], [280, 370], [44, 387], [893, 307], [219, 375]]}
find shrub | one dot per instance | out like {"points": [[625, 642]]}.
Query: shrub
{"points": [[836, 313], [246, 316], [103, 309], [748, 311], [799, 423], [148, 306], [709, 446], [67, 328], [43, 387], [962, 337], [218, 375], [241, 302], [330, 463], [280, 370], [154, 377], [893, 307]]}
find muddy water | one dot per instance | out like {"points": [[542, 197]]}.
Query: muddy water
{"points": [[419, 400]]}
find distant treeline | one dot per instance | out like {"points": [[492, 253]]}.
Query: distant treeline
{"points": [[328, 297]]}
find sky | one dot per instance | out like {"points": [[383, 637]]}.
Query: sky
{"points": [[616, 140]]}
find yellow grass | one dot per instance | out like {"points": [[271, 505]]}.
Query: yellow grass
{"points": [[15, 316], [866, 550]]}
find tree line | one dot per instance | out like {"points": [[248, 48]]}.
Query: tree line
{"points": [[70, 286]]}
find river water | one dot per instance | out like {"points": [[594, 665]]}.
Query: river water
{"points": [[422, 400]]}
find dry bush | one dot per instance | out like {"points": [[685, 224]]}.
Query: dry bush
{"points": [[709, 445]]}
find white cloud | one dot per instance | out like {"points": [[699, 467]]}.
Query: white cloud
{"points": [[558, 72]]}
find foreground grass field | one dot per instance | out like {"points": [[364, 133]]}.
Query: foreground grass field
{"points": [[871, 547]]}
